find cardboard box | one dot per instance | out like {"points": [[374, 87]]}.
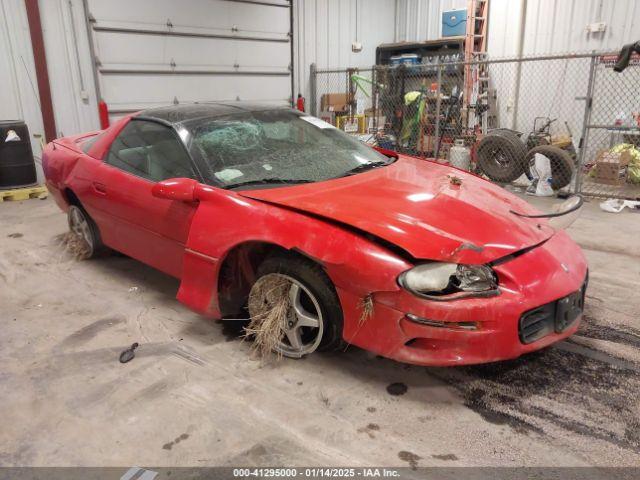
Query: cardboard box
{"points": [[611, 168], [334, 102], [351, 124]]}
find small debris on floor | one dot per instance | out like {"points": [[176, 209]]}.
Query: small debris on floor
{"points": [[15, 235], [448, 456], [324, 399], [410, 458], [75, 245], [397, 388], [169, 445], [370, 429], [614, 205], [128, 354]]}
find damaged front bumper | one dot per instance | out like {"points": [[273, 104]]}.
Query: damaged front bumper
{"points": [[478, 330]]}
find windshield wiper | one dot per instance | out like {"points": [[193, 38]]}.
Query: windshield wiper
{"points": [[364, 167], [266, 181]]}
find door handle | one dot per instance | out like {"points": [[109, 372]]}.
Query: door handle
{"points": [[100, 188]]}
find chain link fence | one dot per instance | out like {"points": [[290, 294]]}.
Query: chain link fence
{"points": [[546, 124]]}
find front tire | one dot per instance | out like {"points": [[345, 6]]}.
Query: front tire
{"points": [[314, 316]]}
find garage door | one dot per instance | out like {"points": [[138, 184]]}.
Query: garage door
{"points": [[157, 52]]}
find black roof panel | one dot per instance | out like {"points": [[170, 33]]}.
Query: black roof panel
{"points": [[191, 111]]}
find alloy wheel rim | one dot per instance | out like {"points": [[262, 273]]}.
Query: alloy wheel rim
{"points": [[304, 322], [80, 226]]}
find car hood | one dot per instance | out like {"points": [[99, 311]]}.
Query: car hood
{"points": [[429, 210]]}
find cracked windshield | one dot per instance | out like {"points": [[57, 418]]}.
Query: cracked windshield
{"points": [[277, 147]]}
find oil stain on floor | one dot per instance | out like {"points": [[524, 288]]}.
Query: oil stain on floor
{"points": [[558, 392]]}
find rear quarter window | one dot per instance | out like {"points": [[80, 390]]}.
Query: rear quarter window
{"points": [[88, 143]]}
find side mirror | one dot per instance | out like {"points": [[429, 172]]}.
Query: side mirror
{"points": [[180, 189]]}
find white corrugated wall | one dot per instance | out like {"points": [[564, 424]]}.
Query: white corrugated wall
{"points": [[419, 20], [325, 29], [552, 26], [69, 65], [19, 99], [323, 33], [548, 88]]}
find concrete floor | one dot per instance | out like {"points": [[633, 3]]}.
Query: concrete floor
{"points": [[193, 397]]}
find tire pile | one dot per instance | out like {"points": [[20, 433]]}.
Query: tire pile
{"points": [[503, 157]]}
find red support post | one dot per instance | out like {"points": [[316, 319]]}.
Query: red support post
{"points": [[42, 73]]}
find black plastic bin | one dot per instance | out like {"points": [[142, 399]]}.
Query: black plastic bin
{"points": [[17, 166]]}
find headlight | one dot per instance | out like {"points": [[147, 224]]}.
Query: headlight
{"points": [[442, 279], [475, 278]]}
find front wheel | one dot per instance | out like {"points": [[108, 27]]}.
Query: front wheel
{"points": [[294, 308]]}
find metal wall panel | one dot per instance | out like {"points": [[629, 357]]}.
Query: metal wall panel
{"points": [[325, 29], [260, 19], [152, 90], [123, 50], [552, 26], [419, 20], [323, 32], [69, 64], [19, 97], [152, 52], [560, 25]]}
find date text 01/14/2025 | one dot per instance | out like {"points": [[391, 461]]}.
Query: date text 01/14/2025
{"points": [[315, 472]]}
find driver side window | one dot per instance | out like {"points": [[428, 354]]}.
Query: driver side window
{"points": [[150, 150]]}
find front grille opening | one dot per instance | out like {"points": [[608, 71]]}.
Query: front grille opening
{"points": [[555, 316], [537, 323]]}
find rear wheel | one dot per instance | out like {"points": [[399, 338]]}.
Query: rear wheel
{"points": [[84, 228], [312, 313]]}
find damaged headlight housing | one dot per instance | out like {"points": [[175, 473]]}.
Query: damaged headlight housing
{"points": [[443, 281]]}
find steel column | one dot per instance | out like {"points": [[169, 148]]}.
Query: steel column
{"points": [[586, 120], [42, 72]]}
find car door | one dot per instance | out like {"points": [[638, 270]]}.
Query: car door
{"points": [[152, 230]]}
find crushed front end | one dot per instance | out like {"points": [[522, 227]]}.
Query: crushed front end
{"points": [[539, 301]]}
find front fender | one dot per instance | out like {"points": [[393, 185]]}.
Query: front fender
{"points": [[225, 220]]}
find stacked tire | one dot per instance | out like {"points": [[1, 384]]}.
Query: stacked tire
{"points": [[502, 156], [560, 161]]}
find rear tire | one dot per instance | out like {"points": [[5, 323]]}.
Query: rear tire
{"points": [[83, 226], [318, 292]]}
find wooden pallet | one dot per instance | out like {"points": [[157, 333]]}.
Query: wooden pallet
{"points": [[18, 194]]}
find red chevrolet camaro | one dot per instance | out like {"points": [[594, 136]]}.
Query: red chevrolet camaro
{"points": [[407, 258]]}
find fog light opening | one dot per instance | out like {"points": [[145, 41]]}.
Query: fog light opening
{"points": [[441, 324]]}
